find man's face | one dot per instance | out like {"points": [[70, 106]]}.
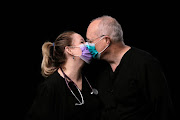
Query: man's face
{"points": [[92, 36]]}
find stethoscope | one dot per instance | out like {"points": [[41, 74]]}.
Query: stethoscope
{"points": [[94, 91]]}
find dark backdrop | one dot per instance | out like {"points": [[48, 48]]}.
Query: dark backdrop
{"points": [[148, 26]]}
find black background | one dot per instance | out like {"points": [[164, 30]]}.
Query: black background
{"points": [[150, 26]]}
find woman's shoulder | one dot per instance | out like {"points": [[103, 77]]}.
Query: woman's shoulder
{"points": [[53, 77], [53, 80]]}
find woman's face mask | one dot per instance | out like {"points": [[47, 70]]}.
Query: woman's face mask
{"points": [[86, 55], [92, 49]]}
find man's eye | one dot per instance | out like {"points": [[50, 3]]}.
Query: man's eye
{"points": [[87, 40]]}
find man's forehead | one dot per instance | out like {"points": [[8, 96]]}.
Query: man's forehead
{"points": [[92, 28]]}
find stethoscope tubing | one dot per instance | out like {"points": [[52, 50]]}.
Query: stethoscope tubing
{"points": [[82, 99]]}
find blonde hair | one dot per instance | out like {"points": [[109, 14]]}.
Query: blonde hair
{"points": [[53, 53]]}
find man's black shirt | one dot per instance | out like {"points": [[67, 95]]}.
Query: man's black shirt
{"points": [[136, 90]]}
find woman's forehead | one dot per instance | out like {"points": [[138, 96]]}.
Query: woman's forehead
{"points": [[77, 38]]}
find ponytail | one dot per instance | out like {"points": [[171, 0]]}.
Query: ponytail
{"points": [[47, 65], [53, 53]]}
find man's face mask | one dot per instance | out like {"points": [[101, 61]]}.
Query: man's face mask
{"points": [[92, 48], [86, 55]]}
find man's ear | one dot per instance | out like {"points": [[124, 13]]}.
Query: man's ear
{"points": [[108, 40], [68, 50]]}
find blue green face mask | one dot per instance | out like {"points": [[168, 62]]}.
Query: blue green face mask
{"points": [[93, 51]]}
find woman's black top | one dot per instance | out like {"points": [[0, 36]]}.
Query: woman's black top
{"points": [[55, 101]]}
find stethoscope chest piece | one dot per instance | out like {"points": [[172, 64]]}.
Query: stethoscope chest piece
{"points": [[94, 91]]}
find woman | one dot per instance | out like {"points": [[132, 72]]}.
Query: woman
{"points": [[66, 94]]}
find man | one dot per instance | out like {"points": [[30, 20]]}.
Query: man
{"points": [[131, 84]]}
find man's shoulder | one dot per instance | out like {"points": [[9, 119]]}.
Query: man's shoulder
{"points": [[142, 56]]}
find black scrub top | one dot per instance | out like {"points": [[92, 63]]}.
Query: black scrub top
{"points": [[55, 101], [136, 90]]}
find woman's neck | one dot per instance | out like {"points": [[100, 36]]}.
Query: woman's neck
{"points": [[73, 71]]}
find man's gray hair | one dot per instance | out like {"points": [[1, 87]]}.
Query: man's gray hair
{"points": [[109, 26]]}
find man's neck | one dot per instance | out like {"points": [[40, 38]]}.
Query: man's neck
{"points": [[117, 52]]}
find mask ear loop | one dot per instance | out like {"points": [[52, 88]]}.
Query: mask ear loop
{"points": [[105, 47], [74, 47]]}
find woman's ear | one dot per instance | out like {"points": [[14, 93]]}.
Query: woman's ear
{"points": [[68, 50]]}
